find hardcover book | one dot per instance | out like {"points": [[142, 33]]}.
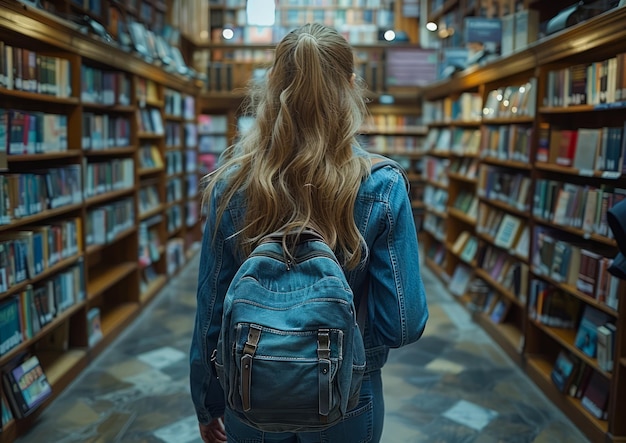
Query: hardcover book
{"points": [[596, 396], [587, 334], [26, 386], [563, 371]]}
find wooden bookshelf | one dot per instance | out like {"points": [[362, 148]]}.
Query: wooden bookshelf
{"points": [[105, 227], [532, 342]]}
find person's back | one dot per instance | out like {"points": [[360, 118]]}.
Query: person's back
{"points": [[300, 166]]}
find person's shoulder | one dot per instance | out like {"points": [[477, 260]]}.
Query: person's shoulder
{"points": [[387, 171]]}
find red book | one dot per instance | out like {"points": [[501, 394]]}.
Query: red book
{"points": [[567, 147]]}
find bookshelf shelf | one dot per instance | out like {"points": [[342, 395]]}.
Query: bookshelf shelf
{"points": [[152, 212], [463, 178], [60, 155], [153, 288], [49, 213], [36, 97], [104, 268], [103, 278], [103, 198], [94, 249], [460, 215], [46, 273], [539, 370], [6, 358], [116, 319], [58, 364], [150, 171], [110, 152], [537, 222]]}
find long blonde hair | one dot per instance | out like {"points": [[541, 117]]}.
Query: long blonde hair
{"points": [[295, 165]]}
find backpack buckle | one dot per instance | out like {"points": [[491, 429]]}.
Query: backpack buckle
{"points": [[323, 344], [253, 340]]}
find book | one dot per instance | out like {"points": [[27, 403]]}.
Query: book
{"points": [[606, 346], [563, 370], [94, 327], [587, 147], [587, 334], [595, 398], [500, 310], [10, 324], [26, 386]]}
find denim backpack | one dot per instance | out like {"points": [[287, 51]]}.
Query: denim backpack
{"points": [[290, 355]]}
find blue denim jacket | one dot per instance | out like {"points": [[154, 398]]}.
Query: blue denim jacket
{"points": [[397, 309]]}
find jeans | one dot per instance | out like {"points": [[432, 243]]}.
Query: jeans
{"points": [[363, 424]]}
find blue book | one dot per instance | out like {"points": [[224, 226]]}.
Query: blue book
{"points": [[10, 325]]}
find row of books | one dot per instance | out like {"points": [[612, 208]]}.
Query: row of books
{"points": [[174, 161], [215, 144], [392, 123], [597, 83], [174, 103], [105, 222], [104, 131], [150, 157], [23, 315], [511, 101], [212, 124], [29, 132], [465, 247], [149, 199], [391, 143], [174, 190], [31, 193], [551, 306], [466, 202], [149, 242], [466, 108], [174, 216], [146, 91], [586, 149], [580, 380], [192, 209], [435, 225], [504, 269], [507, 142], [435, 170], [466, 167], [149, 121], [173, 135], [27, 253], [573, 265], [502, 229], [436, 198], [577, 206], [104, 87], [175, 254], [31, 71], [104, 177], [502, 185], [465, 142]]}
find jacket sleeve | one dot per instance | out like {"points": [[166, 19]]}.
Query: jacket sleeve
{"points": [[398, 310], [216, 270]]}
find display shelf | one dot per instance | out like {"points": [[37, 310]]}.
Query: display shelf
{"points": [[536, 346]]}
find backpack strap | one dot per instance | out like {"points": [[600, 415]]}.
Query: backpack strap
{"points": [[380, 161]]}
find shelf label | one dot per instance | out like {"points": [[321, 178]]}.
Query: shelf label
{"points": [[586, 172], [386, 99], [611, 174], [586, 235]]}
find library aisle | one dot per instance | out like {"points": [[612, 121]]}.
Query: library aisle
{"points": [[453, 386]]}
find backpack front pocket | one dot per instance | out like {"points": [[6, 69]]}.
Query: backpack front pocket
{"points": [[287, 373]]}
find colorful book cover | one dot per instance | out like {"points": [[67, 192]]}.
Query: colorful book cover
{"points": [[29, 381]]}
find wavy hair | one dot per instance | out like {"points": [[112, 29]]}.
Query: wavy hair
{"points": [[295, 166]]}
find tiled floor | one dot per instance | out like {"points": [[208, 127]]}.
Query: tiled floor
{"points": [[454, 385]]}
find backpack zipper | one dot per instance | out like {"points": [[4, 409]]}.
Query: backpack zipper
{"points": [[289, 262]]}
